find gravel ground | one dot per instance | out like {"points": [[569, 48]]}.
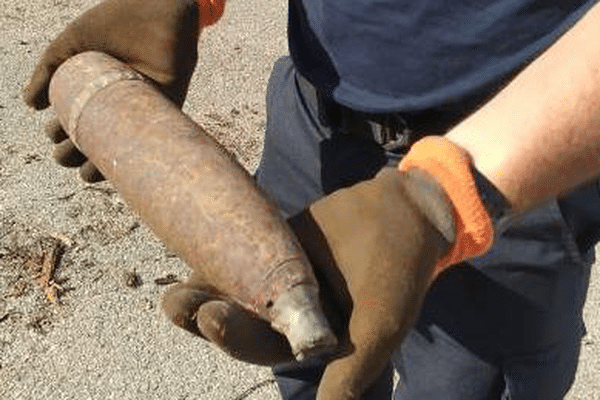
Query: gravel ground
{"points": [[96, 331]]}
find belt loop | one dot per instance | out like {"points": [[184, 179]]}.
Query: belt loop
{"points": [[329, 111]]}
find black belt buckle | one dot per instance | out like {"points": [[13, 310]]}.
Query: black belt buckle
{"points": [[389, 130], [393, 133]]}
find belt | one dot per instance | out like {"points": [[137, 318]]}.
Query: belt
{"points": [[390, 130]]}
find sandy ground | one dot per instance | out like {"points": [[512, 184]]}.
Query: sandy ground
{"points": [[105, 337]]}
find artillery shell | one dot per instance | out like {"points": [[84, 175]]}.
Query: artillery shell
{"points": [[192, 193]]}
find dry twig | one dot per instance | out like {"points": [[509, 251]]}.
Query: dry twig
{"points": [[50, 262], [254, 388], [167, 280]]}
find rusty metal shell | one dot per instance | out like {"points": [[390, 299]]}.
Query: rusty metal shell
{"points": [[192, 193]]}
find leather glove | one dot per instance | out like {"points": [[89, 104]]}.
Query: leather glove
{"points": [[158, 38], [372, 248], [389, 238], [193, 306], [384, 237], [375, 248]]}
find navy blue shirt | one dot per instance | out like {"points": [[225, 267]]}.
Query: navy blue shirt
{"points": [[417, 55]]}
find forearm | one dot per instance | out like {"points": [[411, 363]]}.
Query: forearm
{"points": [[540, 136]]}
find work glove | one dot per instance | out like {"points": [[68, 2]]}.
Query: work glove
{"points": [[371, 248], [158, 38], [375, 248], [389, 238]]}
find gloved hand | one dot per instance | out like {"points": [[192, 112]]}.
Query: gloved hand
{"points": [[390, 237], [375, 248], [383, 237], [158, 38], [372, 249], [193, 306]]}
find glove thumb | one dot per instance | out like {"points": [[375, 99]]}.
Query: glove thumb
{"points": [[348, 378], [232, 328]]}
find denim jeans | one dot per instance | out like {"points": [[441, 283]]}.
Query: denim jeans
{"points": [[504, 326]]}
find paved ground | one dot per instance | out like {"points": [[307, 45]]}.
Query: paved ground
{"points": [[106, 339]]}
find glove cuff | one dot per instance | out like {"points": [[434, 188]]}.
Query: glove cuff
{"points": [[210, 11], [451, 167]]}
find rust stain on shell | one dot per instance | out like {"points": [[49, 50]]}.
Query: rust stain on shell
{"points": [[185, 185]]}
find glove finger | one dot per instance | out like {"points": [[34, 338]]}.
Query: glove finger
{"points": [[55, 131], [181, 302], [382, 314], [229, 326], [89, 173], [347, 378], [35, 90], [67, 155], [241, 334], [159, 39]]}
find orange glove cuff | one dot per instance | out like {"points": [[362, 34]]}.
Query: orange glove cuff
{"points": [[451, 167], [210, 11]]}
